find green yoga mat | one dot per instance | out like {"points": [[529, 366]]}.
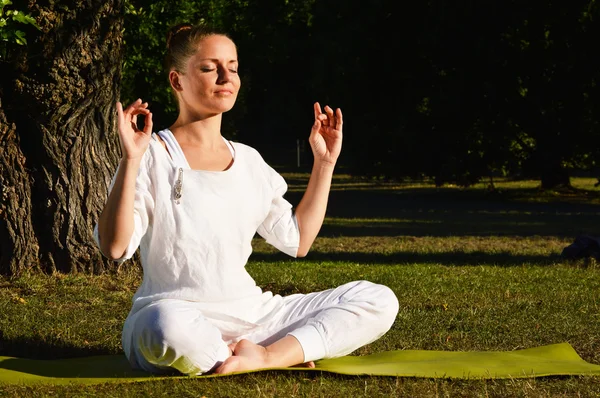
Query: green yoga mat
{"points": [[551, 360]]}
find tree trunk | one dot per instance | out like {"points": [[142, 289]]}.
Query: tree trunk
{"points": [[550, 152], [58, 139], [556, 178]]}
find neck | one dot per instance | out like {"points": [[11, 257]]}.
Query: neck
{"points": [[204, 131]]}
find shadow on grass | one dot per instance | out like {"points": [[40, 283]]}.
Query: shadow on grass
{"points": [[92, 367], [430, 212], [33, 348], [455, 259]]}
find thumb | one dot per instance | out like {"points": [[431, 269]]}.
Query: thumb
{"points": [[148, 124]]}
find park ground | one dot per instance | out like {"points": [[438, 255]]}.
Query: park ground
{"points": [[473, 269]]}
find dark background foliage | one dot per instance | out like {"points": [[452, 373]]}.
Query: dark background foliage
{"points": [[443, 90], [437, 90]]}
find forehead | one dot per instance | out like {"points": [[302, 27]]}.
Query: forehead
{"points": [[216, 47]]}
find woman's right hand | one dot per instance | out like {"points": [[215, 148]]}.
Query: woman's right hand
{"points": [[134, 141]]}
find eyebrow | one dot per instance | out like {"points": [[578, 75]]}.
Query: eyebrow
{"points": [[217, 60]]}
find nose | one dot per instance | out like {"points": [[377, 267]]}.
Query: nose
{"points": [[224, 75]]}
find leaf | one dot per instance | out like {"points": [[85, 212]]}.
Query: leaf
{"points": [[23, 18], [4, 3], [20, 38]]}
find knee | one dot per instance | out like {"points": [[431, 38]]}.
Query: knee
{"points": [[379, 300], [389, 305], [157, 329], [158, 336], [166, 341]]}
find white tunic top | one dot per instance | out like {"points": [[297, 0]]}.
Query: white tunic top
{"points": [[196, 247]]}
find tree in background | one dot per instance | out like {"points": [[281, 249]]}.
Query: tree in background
{"points": [[555, 72], [58, 147]]}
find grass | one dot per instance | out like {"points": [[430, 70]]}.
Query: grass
{"points": [[472, 269]]}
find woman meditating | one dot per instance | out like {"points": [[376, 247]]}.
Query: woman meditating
{"points": [[192, 201]]}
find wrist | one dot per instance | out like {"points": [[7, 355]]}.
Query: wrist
{"points": [[323, 165], [130, 162]]}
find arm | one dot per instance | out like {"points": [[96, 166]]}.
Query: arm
{"points": [[326, 143], [116, 223]]}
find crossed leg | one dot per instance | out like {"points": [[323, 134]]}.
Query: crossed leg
{"points": [[172, 334], [318, 325]]}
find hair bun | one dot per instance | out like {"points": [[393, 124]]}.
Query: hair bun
{"points": [[176, 30]]}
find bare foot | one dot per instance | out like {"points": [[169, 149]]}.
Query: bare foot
{"points": [[249, 356], [246, 356], [231, 348]]}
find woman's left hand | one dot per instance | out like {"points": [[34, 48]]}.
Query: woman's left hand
{"points": [[326, 134]]}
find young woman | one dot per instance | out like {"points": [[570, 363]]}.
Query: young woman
{"points": [[192, 201]]}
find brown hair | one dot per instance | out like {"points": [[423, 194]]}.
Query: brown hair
{"points": [[182, 41]]}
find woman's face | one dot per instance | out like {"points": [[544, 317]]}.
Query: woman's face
{"points": [[210, 83]]}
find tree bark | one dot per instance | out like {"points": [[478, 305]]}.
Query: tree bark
{"points": [[59, 146], [556, 178]]}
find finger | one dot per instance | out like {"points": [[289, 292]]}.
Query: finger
{"points": [[134, 122], [317, 109], [140, 111], [148, 123], [133, 105], [140, 108], [338, 119], [330, 116], [329, 112], [120, 116]]}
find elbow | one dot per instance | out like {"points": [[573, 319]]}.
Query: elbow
{"points": [[116, 255], [110, 247], [112, 252], [304, 246], [301, 253]]}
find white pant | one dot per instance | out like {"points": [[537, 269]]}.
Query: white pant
{"points": [[170, 335]]}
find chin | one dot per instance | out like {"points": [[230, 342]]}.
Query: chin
{"points": [[225, 106]]}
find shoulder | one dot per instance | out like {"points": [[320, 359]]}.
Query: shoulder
{"points": [[243, 148], [255, 160], [247, 152], [157, 138], [157, 144]]}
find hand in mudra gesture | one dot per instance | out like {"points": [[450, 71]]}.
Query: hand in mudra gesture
{"points": [[134, 141], [326, 134]]}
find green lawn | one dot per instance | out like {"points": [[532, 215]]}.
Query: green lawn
{"points": [[473, 270]]}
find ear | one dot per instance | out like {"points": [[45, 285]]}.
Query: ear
{"points": [[175, 80]]}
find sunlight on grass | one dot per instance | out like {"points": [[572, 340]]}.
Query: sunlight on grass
{"points": [[374, 221], [471, 270], [521, 190]]}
